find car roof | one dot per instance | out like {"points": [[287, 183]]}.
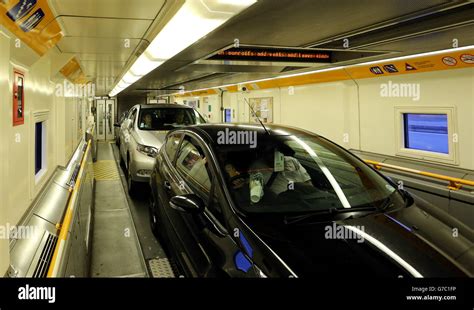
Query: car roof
{"points": [[164, 105], [210, 131]]}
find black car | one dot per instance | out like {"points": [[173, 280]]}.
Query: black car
{"points": [[248, 201]]}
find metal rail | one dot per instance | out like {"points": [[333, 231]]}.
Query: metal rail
{"points": [[66, 223], [454, 183]]}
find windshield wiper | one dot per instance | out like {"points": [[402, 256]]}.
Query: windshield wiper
{"points": [[290, 220]]}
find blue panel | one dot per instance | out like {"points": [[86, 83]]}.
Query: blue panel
{"points": [[241, 262], [427, 132], [246, 245], [228, 116]]}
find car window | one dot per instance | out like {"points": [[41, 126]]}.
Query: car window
{"points": [[192, 165], [172, 143], [293, 174], [123, 116], [168, 118], [132, 115]]}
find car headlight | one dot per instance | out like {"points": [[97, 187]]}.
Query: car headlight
{"points": [[147, 150]]}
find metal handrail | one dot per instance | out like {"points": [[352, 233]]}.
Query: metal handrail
{"points": [[454, 183], [64, 226]]}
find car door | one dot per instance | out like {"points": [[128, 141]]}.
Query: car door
{"points": [[202, 243], [190, 175], [165, 184]]}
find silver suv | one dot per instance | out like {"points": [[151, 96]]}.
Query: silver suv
{"points": [[143, 132]]}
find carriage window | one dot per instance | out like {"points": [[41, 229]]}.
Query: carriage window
{"points": [[426, 132], [40, 148]]}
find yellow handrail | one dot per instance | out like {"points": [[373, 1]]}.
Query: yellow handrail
{"points": [[454, 183], [64, 227]]}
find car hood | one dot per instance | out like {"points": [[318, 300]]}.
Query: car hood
{"points": [[405, 242], [151, 137]]}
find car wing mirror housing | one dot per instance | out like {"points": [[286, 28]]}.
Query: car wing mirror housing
{"points": [[189, 203]]}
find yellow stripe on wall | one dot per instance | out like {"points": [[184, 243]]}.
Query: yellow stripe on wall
{"points": [[412, 65]]}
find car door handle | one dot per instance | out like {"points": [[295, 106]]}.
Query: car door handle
{"points": [[167, 185]]}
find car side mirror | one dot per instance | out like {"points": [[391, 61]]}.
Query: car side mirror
{"points": [[189, 203]]}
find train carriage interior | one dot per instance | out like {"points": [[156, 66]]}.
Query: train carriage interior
{"points": [[236, 139]]}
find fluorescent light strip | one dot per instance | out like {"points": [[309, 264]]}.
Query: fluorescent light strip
{"points": [[193, 21], [337, 67]]}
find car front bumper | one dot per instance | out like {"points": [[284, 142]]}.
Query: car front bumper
{"points": [[141, 167]]}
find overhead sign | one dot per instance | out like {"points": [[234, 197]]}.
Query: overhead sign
{"points": [[449, 61], [415, 65], [390, 68], [21, 9], [376, 70], [273, 55], [409, 67], [31, 21], [467, 58]]}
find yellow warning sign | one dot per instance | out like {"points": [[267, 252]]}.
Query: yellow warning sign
{"points": [[33, 22]]}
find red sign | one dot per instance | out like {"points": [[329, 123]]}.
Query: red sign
{"points": [[18, 98]]}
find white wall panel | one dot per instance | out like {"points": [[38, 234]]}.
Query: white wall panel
{"points": [[355, 115], [5, 122]]}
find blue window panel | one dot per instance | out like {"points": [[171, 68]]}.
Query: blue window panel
{"points": [[228, 116], [426, 132]]}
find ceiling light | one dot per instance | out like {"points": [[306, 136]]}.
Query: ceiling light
{"points": [[193, 21], [237, 2], [144, 65], [130, 78]]}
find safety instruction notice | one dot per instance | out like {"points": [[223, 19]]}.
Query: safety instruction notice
{"points": [[21, 9], [32, 21]]}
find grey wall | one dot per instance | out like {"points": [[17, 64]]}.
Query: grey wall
{"points": [[124, 103]]}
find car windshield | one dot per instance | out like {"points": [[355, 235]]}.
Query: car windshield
{"points": [[168, 118], [299, 174]]}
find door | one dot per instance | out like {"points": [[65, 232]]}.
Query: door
{"points": [[100, 119], [190, 176], [105, 119]]}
